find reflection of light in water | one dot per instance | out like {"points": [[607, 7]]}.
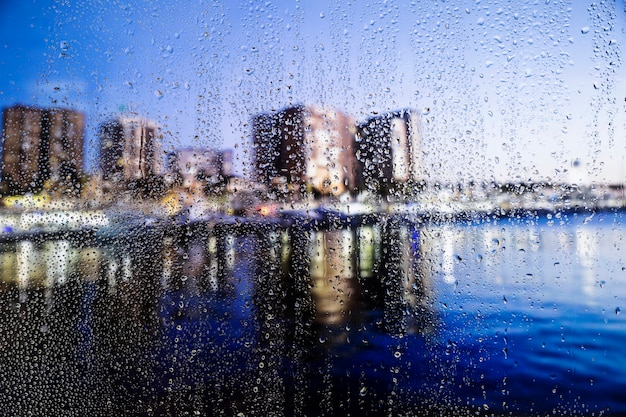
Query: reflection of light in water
{"points": [[213, 264], [447, 264], [534, 238], [586, 250], [368, 241], [229, 262], [168, 261], [56, 257], [25, 255], [332, 274], [127, 272], [111, 271], [564, 239], [47, 265], [88, 263], [193, 265], [407, 268], [275, 251]]}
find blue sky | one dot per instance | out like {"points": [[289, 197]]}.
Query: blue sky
{"points": [[509, 90]]}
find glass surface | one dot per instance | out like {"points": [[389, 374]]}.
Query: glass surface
{"points": [[308, 208], [517, 316]]}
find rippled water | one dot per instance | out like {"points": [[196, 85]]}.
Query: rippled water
{"points": [[538, 302], [505, 316]]}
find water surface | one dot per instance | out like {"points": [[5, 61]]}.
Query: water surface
{"points": [[501, 316]]}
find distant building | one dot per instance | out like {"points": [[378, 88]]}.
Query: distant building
{"points": [[41, 146], [130, 151], [388, 151], [305, 147], [201, 166]]}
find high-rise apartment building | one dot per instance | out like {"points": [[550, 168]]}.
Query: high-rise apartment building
{"points": [[129, 150], [41, 146], [388, 151], [305, 147]]}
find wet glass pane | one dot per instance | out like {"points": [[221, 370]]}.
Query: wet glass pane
{"points": [[282, 208]]}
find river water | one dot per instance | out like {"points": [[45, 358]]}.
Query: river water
{"points": [[507, 316]]}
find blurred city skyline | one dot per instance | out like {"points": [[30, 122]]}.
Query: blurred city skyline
{"points": [[514, 92]]}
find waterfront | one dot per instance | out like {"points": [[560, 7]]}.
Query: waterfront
{"points": [[493, 316]]}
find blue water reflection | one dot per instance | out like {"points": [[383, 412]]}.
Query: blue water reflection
{"points": [[541, 298], [499, 316]]}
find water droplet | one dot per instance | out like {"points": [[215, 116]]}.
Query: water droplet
{"points": [[618, 310], [158, 94], [584, 30], [322, 15]]}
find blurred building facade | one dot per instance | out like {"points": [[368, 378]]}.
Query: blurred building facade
{"points": [[204, 167], [389, 151], [130, 152], [305, 148], [41, 146]]}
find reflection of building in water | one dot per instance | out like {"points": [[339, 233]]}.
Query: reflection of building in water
{"points": [[448, 260], [333, 275], [586, 242], [305, 146], [374, 267], [129, 151], [405, 279], [388, 150], [39, 146], [33, 265]]}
